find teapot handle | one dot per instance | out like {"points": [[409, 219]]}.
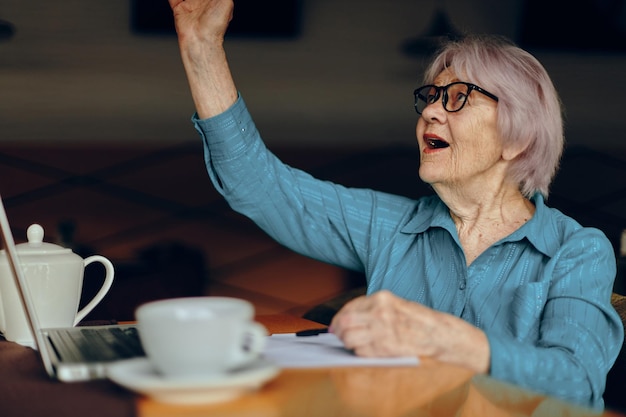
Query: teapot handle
{"points": [[106, 286]]}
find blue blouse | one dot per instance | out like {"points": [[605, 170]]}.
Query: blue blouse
{"points": [[541, 295]]}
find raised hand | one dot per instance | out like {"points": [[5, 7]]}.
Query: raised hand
{"points": [[201, 26], [202, 20]]}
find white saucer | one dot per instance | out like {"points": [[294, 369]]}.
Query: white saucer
{"points": [[140, 376]]}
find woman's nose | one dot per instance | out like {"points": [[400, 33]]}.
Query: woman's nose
{"points": [[434, 110]]}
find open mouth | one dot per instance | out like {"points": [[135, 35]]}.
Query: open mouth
{"points": [[436, 143]]}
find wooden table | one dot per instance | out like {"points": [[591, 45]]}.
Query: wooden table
{"points": [[430, 389]]}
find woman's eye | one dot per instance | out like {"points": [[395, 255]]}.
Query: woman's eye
{"points": [[457, 98]]}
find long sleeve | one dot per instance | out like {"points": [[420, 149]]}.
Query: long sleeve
{"points": [[316, 218], [579, 334]]}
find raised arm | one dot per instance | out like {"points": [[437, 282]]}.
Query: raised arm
{"points": [[201, 25]]}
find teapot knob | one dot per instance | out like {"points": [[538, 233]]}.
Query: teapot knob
{"points": [[34, 233]]}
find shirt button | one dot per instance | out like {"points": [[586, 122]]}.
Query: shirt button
{"points": [[462, 285]]}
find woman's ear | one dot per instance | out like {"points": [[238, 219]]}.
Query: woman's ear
{"points": [[513, 150]]}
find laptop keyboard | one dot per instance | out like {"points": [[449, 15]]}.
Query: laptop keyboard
{"points": [[96, 344]]}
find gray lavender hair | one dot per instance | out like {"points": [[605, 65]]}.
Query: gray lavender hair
{"points": [[530, 116]]}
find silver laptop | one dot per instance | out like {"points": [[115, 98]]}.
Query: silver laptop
{"points": [[73, 353]]}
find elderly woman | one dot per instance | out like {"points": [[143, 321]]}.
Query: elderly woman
{"points": [[483, 274]]}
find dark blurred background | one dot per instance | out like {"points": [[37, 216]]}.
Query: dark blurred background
{"points": [[110, 71]]}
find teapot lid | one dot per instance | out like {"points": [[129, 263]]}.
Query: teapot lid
{"points": [[36, 245]]}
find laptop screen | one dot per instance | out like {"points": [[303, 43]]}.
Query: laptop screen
{"points": [[20, 284]]}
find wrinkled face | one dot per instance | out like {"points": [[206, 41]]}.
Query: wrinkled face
{"points": [[462, 148]]}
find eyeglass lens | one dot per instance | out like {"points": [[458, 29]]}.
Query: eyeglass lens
{"points": [[454, 96]]}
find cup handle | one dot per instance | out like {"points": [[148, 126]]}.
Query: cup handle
{"points": [[106, 286], [253, 343]]}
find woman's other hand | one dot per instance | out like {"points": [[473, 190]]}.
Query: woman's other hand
{"points": [[384, 325]]}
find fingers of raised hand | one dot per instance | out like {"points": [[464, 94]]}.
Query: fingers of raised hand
{"points": [[174, 3]]}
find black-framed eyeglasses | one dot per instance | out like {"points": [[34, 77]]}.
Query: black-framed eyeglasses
{"points": [[453, 98]]}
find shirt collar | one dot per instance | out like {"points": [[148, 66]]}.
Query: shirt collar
{"points": [[540, 230], [431, 212]]}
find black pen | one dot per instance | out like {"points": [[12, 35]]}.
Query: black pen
{"points": [[311, 332]]}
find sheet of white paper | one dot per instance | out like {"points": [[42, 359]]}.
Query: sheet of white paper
{"points": [[321, 351]]}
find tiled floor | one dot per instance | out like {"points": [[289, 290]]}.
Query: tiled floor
{"points": [[122, 199]]}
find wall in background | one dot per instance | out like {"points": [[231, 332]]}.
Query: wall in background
{"points": [[75, 72]]}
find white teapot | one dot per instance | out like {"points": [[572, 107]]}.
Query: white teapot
{"points": [[54, 277]]}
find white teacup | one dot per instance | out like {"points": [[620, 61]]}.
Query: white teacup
{"points": [[54, 279], [199, 336]]}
